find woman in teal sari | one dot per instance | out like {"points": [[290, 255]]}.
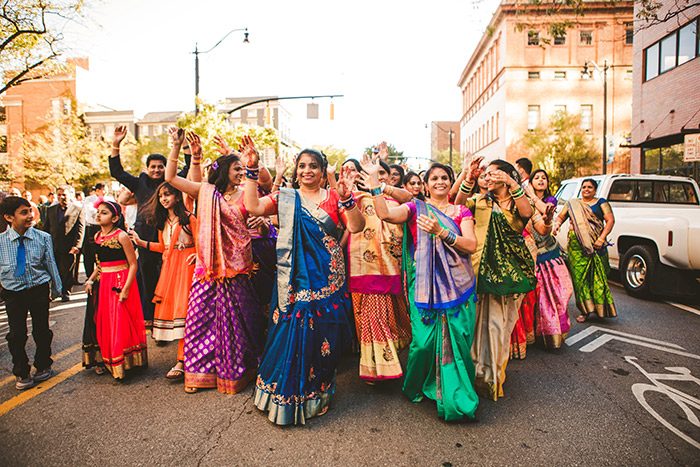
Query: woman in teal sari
{"points": [[310, 314], [591, 221], [438, 241]]}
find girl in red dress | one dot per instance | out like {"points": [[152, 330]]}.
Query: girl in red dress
{"points": [[120, 330]]}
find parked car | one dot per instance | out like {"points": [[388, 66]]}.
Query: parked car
{"points": [[656, 237]]}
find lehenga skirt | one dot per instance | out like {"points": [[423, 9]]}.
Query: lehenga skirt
{"points": [[495, 319], [171, 295], [223, 334], [91, 349], [383, 330], [589, 275], [554, 290], [120, 329], [524, 332]]}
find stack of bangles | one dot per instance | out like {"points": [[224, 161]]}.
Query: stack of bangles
{"points": [[376, 191], [450, 237], [252, 173], [347, 204], [517, 193], [466, 187]]}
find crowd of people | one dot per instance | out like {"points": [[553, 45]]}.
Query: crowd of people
{"points": [[271, 281]]}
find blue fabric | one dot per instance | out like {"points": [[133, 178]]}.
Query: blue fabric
{"points": [[21, 268], [40, 265], [306, 339]]}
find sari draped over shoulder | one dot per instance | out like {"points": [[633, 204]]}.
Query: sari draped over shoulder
{"points": [[585, 224], [309, 325], [440, 283]]}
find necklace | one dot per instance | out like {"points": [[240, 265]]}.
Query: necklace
{"points": [[228, 196], [441, 207], [114, 227], [172, 221]]}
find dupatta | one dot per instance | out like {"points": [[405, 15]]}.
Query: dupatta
{"points": [[586, 225], [444, 278], [310, 264]]}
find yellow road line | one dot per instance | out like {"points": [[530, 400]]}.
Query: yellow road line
{"points": [[55, 358], [38, 389]]}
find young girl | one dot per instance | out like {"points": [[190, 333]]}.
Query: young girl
{"points": [[120, 330], [177, 236]]}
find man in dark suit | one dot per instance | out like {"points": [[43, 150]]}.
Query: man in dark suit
{"points": [[65, 222]]}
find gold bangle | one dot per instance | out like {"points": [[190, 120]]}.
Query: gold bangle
{"points": [[173, 160]]}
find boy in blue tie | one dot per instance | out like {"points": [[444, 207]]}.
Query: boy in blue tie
{"points": [[27, 266]]}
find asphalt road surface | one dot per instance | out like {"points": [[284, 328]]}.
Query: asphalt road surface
{"points": [[588, 404]]}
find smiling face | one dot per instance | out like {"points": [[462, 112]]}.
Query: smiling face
{"points": [[539, 181], [155, 169], [383, 176], [490, 183], [481, 182], [309, 172], [235, 173], [438, 183], [22, 219], [395, 177], [588, 190], [166, 198], [415, 185]]}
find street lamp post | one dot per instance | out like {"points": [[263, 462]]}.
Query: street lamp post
{"points": [[197, 52], [604, 72]]}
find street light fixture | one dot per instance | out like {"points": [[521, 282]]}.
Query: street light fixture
{"points": [[197, 52], [588, 67]]}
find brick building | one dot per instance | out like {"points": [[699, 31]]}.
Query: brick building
{"points": [[666, 99], [444, 136], [519, 76]]}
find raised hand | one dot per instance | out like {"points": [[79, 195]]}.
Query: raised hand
{"points": [[177, 136], [383, 151], [330, 170], [474, 167], [280, 168], [221, 146], [345, 183], [248, 151], [530, 192], [549, 213], [119, 135], [499, 176], [195, 146]]}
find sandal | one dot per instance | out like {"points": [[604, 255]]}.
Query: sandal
{"points": [[190, 390], [175, 373], [100, 370], [581, 318]]}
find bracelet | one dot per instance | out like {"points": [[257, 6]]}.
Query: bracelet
{"points": [[88, 282], [347, 204], [376, 191], [195, 163], [517, 193], [174, 160], [450, 238], [115, 147], [252, 174], [466, 188]]}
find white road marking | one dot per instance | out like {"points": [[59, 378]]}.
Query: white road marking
{"points": [[687, 308], [592, 329]]}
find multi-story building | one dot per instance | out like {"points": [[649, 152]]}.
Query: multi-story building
{"points": [[666, 99], [103, 122], [156, 123], [444, 138], [519, 76]]}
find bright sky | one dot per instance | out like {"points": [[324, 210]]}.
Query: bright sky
{"points": [[396, 64]]}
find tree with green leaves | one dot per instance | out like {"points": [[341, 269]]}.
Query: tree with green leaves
{"points": [[64, 152], [563, 148], [395, 156], [335, 155], [31, 37]]}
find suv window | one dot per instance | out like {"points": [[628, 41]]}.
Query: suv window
{"points": [[653, 191], [566, 192]]}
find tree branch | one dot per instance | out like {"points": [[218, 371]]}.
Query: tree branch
{"points": [[20, 77]]}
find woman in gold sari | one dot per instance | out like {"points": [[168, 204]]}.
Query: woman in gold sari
{"points": [[592, 220]]}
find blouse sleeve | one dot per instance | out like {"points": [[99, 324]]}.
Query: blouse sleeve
{"points": [[464, 213], [605, 206], [158, 247], [411, 205]]}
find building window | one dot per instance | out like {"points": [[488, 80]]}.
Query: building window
{"points": [[533, 117], [559, 75], [629, 75], [586, 117], [586, 37], [533, 75], [3, 114], [668, 53], [3, 143], [533, 38], [560, 108], [687, 41], [560, 39], [629, 33], [651, 61]]}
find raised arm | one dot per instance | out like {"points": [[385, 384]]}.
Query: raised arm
{"points": [[254, 205], [116, 170], [177, 137], [471, 170], [195, 173], [355, 219], [394, 215]]}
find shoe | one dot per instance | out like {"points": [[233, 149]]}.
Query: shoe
{"points": [[24, 383], [65, 297], [43, 375]]}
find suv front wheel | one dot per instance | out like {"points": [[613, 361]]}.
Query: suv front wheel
{"points": [[637, 270]]}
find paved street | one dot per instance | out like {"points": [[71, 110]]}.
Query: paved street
{"points": [[574, 407]]}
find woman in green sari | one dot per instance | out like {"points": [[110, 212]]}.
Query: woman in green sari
{"points": [[591, 220], [504, 266]]}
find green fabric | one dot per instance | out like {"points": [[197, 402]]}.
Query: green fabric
{"points": [[447, 340], [589, 274], [506, 266]]}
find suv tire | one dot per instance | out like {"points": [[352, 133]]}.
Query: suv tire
{"points": [[637, 269]]}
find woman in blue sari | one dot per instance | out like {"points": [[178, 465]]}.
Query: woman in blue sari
{"points": [[310, 319], [438, 242]]}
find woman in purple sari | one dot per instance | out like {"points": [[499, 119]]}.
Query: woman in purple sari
{"points": [[224, 328]]}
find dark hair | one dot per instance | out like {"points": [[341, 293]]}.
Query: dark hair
{"points": [[591, 181], [547, 193], [357, 165], [402, 173], [99, 186], [156, 215], [506, 167], [11, 204], [156, 157], [116, 210], [387, 168], [407, 178], [437, 165], [316, 154], [525, 164], [218, 172]]}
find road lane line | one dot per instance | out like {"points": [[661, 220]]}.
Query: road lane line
{"points": [[591, 346], [591, 329], [38, 389], [571, 340], [55, 358], [687, 308]]}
